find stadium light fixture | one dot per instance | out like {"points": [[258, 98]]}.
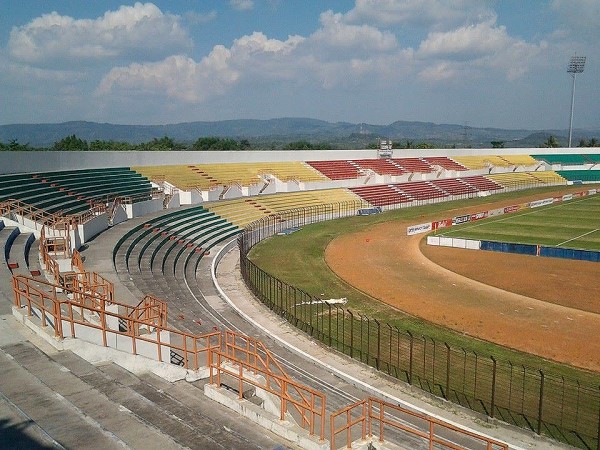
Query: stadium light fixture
{"points": [[576, 65]]}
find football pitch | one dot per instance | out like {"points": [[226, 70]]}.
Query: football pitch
{"points": [[572, 224]]}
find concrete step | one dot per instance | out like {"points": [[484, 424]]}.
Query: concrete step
{"points": [[6, 295], [17, 254], [187, 393], [115, 420], [39, 404], [33, 260], [18, 431], [196, 421]]}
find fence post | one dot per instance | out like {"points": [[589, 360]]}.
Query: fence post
{"points": [[410, 358], [598, 441], [378, 343], [494, 367], [329, 307], [361, 335], [310, 317], [447, 371], [390, 349], [541, 403], [351, 333]]}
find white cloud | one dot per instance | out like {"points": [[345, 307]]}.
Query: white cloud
{"points": [[182, 78], [437, 13], [473, 50], [177, 76], [26, 74], [441, 71], [469, 41], [242, 5], [197, 18], [335, 35], [141, 30], [581, 16]]}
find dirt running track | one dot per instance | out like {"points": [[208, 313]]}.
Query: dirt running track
{"points": [[546, 306]]}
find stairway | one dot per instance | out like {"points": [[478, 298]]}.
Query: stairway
{"points": [[57, 399]]}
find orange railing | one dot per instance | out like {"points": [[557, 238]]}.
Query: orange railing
{"points": [[58, 245], [151, 310], [87, 312], [254, 351], [394, 418], [55, 221], [12, 206], [246, 356], [77, 261], [91, 284]]}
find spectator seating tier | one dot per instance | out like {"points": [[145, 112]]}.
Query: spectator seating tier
{"points": [[481, 162], [444, 162], [571, 159], [337, 169], [580, 175], [413, 165], [380, 166]]}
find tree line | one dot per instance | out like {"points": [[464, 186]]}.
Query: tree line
{"points": [[165, 143]]}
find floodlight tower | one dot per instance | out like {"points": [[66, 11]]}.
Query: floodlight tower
{"points": [[575, 66]]}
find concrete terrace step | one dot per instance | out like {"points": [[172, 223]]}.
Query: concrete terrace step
{"points": [[6, 295], [17, 254], [33, 259], [188, 403], [56, 415]]}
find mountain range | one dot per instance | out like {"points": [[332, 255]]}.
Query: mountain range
{"points": [[284, 130]]}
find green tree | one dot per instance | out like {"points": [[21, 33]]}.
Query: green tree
{"points": [[551, 142], [497, 144], [299, 145], [98, 145], [245, 144], [71, 143], [14, 146], [215, 143], [425, 145]]}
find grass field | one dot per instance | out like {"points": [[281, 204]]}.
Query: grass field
{"points": [[571, 224]]}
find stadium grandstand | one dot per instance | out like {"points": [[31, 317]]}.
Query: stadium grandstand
{"points": [[136, 344]]}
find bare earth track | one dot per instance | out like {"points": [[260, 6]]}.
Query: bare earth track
{"points": [[545, 306]]}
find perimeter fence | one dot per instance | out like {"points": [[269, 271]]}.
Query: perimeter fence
{"points": [[551, 404]]}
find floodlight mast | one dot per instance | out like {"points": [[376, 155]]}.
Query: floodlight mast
{"points": [[576, 65]]}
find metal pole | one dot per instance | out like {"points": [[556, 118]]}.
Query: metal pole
{"points": [[572, 106], [351, 333], [410, 358], [493, 400], [329, 322], [377, 362], [541, 404]]}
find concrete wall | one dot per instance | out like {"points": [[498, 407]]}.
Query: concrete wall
{"points": [[93, 227], [142, 208], [17, 162]]}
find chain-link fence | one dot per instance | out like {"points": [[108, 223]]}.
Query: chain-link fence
{"points": [[564, 409]]}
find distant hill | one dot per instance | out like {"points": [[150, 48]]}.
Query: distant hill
{"points": [[284, 130]]}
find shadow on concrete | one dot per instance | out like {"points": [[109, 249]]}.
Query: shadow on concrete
{"points": [[15, 436]]}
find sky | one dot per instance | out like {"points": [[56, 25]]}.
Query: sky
{"points": [[479, 63]]}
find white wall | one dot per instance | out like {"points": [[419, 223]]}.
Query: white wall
{"points": [[16, 162], [93, 227], [142, 208]]}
